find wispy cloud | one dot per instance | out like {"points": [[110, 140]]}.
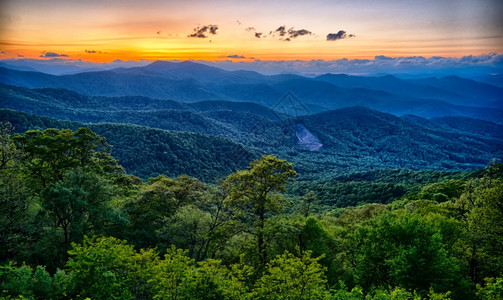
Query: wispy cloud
{"points": [[255, 32], [295, 33], [52, 55], [235, 56], [204, 31], [92, 51], [339, 36], [280, 32], [288, 35]]}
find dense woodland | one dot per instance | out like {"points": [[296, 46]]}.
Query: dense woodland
{"points": [[74, 224]]}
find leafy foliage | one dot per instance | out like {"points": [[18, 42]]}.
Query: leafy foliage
{"points": [[181, 238], [255, 192], [290, 277]]}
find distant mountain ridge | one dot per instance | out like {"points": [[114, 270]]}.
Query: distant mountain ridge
{"points": [[222, 118], [193, 82]]}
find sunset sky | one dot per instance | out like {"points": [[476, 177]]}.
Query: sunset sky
{"points": [[105, 30]]}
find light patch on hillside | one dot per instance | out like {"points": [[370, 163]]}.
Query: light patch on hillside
{"points": [[305, 139]]}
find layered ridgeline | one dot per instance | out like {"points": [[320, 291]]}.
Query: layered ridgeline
{"points": [[321, 145], [192, 82]]}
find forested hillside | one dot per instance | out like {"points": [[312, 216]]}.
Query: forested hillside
{"points": [[147, 152], [348, 140], [75, 225]]}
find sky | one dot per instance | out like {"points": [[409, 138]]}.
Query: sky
{"points": [[249, 31]]}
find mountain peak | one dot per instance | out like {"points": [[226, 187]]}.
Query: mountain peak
{"points": [[160, 63]]}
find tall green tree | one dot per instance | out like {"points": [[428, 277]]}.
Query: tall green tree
{"points": [[309, 201], [151, 212], [255, 193], [78, 203], [70, 178], [50, 153]]}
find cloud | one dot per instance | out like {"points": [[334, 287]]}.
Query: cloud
{"points": [[290, 33], [53, 54], [467, 66], [202, 32], [235, 56], [382, 57], [296, 33], [92, 51], [281, 30], [255, 32], [339, 36]]}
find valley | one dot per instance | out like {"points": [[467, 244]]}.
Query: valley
{"points": [[353, 130]]}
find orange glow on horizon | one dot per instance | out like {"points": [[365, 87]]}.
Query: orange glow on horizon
{"points": [[159, 30], [137, 55]]}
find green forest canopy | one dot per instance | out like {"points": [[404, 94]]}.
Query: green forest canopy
{"points": [[76, 225]]}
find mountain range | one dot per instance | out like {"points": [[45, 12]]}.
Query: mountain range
{"points": [[226, 135], [192, 82]]}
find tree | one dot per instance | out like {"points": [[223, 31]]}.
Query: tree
{"points": [[70, 179], [255, 194], [25, 282], [170, 274], [403, 250], [151, 211], [492, 290], [49, 154], [443, 190], [8, 150], [290, 277], [77, 203], [485, 226], [309, 200], [108, 268], [16, 213], [212, 280]]}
